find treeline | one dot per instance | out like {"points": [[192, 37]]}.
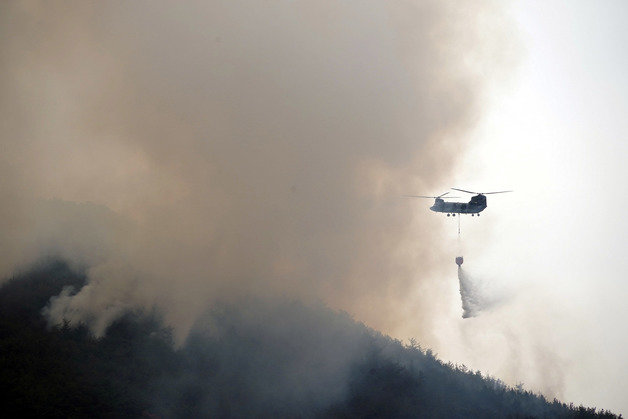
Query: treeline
{"points": [[251, 359]]}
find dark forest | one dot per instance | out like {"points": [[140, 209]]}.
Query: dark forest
{"points": [[251, 359]]}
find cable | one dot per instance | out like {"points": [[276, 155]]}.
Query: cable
{"points": [[458, 226]]}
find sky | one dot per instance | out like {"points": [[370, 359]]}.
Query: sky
{"points": [[207, 151], [555, 133]]}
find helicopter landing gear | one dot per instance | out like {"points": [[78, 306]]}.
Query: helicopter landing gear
{"points": [[448, 215], [453, 215]]}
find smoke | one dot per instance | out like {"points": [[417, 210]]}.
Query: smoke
{"points": [[280, 354], [187, 152]]}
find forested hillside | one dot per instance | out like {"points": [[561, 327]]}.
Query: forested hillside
{"points": [[250, 359]]}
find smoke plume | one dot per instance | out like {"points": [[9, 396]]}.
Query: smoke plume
{"points": [[208, 149]]}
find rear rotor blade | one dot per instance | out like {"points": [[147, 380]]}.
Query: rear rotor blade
{"points": [[481, 193], [462, 190]]}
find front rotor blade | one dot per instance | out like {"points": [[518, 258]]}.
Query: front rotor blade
{"points": [[441, 195], [431, 197]]}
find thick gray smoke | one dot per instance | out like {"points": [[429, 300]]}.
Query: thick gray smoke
{"points": [[184, 152]]}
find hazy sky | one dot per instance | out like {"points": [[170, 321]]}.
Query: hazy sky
{"points": [[188, 152], [556, 134]]}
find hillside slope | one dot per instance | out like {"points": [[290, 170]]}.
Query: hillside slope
{"points": [[250, 359]]}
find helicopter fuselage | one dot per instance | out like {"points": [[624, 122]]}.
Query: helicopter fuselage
{"points": [[476, 205]]}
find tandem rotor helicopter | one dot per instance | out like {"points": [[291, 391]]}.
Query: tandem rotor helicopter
{"points": [[476, 205]]}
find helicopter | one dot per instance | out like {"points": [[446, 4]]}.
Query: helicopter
{"points": [[476, 205]]}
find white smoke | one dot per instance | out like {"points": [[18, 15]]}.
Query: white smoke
{"points": [[247, 148]]}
